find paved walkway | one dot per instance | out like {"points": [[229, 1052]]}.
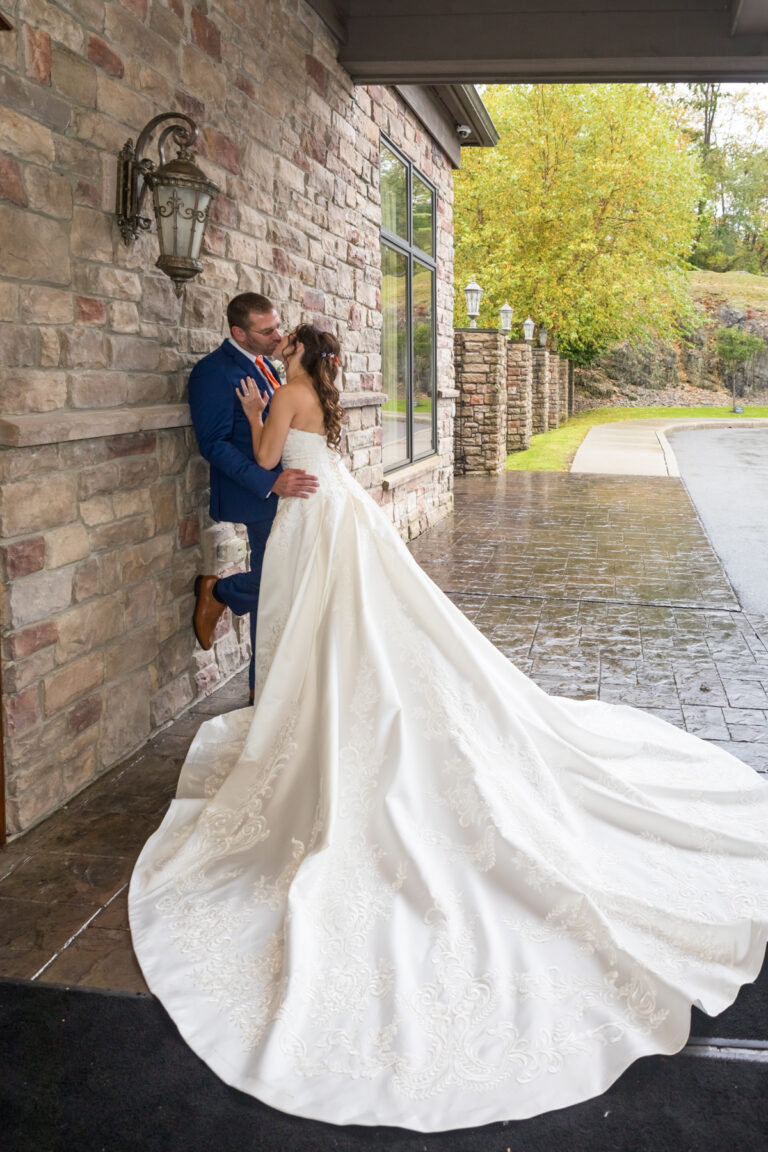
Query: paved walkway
{"points": [[725, 471], [569, 575], [640, 447]]}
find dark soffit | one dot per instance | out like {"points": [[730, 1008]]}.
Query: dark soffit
{"points": [[473, 41]]}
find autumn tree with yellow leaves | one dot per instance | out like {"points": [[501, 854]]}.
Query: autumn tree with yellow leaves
{"points": [[581, 216]]}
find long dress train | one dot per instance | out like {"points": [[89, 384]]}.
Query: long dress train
{"points": [[409, 887]]}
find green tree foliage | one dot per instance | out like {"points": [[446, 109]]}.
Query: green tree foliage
{"points": [[735, 348], [732, 226], [579, 215]]}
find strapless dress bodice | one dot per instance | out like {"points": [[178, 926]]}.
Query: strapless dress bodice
{"points": [[310, 451]]}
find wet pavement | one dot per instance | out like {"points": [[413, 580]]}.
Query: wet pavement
{"points": [[726, 474], [597, 586], [642, 447]]}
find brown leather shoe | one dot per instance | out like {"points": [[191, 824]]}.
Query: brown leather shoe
{"points": [[250, 696], [208, 611]]}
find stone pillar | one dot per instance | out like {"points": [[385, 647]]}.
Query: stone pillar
{"points": [[558, 391], [519, 389], [571, 377], [481, 409], [564, 413], [554, 391], [540, 389]]}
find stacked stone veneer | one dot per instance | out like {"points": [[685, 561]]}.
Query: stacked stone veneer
{"points": [[506, 392], [563, 378], [540, 389], [102, 492], [481, 410], [519, 396]]}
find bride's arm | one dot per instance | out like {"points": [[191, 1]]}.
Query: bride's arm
{"points": [[268, 439]]}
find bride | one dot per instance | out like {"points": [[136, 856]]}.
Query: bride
{"points": [[408, 887]]}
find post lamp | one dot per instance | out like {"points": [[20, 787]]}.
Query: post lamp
{"points": [[542, 336], [472, 294], [506, 313], [181, 196], [528, 327]]}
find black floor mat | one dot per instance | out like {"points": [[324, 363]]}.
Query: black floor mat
{"points": [[746, 1019], [93, 1072]]}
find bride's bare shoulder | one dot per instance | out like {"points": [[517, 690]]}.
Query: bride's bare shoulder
{"points": [[307, 409]]}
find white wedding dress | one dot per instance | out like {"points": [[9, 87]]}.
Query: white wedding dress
{"points": [[408, 887]]}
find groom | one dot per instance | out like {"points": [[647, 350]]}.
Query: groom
{"points": [[241, 491]]}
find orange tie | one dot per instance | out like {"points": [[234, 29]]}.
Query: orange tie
{"points": [[269, 375]]}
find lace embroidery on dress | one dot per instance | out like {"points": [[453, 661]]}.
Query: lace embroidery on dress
{"points": [[414, 873]]}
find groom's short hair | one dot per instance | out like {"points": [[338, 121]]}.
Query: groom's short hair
{"points": [[240, 308]]}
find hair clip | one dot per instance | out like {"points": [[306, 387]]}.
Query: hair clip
{"points": [[334, 359]]}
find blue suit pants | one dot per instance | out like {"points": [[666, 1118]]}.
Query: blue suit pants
{"points": [[241, 592]]}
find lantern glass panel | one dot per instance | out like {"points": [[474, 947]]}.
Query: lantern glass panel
{"points": [[473, 300], [173, 215]]}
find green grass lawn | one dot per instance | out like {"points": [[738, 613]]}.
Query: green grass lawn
{"points": [[554, 451], [741, 289]]}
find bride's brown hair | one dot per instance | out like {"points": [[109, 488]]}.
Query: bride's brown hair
{"points": [[322, 360]]}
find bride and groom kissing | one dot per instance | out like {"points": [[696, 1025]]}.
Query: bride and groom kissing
{"points": [[242, 491]]}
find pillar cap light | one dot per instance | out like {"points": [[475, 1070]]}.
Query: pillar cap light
{"points": [[506, 312], [472, 294], [542, 336], [528, 328]]}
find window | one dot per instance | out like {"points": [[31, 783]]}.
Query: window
{"points": [[408, 269]]}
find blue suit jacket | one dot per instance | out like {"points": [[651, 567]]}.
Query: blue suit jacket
{"points": [[240, 489]]}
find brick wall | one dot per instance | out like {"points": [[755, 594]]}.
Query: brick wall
{"points": [[102, 493]]}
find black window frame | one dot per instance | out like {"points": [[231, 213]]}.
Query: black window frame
{"points": [[414, 255]]}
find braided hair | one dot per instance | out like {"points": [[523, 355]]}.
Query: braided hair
{"points": [[321, 360]]}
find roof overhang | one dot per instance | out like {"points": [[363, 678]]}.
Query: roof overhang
{"points": [[453, 114], [496, 41]]}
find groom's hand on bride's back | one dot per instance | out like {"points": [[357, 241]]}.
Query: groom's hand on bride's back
{"points": [[295, 482]]}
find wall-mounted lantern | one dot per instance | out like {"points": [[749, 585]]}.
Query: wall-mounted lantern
{"points": [[528, 327], [472, 294], [181, 196], [506, 312]]}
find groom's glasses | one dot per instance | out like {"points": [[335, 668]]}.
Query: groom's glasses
{"points": [[252, 330]]}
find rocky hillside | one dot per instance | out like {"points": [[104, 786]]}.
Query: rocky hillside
{"points": [[687, 372]]}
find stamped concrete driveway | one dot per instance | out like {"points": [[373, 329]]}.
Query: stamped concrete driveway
{"points": [[608, 587], [596, 586]]}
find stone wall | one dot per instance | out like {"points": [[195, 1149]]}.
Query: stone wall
{"points": [[102, 492], [519, 396], [540, 389], [553, 372], [565, 389], [558, 374], [481, 412], [104, 545]]}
